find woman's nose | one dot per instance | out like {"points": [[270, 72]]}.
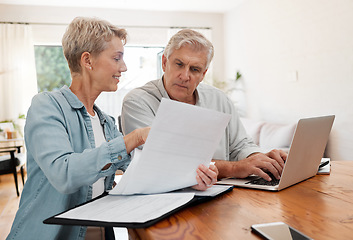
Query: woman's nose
{"points": [[123, 67]]}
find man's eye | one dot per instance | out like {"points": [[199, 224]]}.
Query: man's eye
{"points": [[195, 69], [117, 59]]}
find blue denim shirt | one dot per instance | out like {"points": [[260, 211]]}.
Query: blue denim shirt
{"points": [[63, 163]]}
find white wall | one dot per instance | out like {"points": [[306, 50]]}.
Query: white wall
{"points": [[271, 41]]}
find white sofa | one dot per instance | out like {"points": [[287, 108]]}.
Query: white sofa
{"points": [[269, 135]]}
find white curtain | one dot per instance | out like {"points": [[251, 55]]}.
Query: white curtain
{"points": [[18, 82]]}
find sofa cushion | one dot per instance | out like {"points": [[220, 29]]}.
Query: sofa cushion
{"points": [[276, 136], [253, 128]]}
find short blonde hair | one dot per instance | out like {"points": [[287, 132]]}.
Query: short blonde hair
{"points": [[192, 38], [88, 35]]}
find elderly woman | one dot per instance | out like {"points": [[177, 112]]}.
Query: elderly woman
{"points": [[73, 148]]}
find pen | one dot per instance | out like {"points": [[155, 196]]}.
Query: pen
{"points": [[323, 164]]}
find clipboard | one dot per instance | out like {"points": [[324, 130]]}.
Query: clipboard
{"points": [[58, 220]]}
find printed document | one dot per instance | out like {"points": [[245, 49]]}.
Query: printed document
{"points": [[182, 137], [135, 209]]}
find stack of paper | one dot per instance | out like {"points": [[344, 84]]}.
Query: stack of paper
{"points": [[182, 137]]}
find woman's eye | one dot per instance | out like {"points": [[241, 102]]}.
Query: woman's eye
{"points": [[118, 57]]}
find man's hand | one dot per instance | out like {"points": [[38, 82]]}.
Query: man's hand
{"points": [[206, 177], [257, 163]]}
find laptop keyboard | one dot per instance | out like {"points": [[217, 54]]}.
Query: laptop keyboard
{"points": [[262, 181]]}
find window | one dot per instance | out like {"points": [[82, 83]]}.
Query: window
{"points": [[142, 57], [52, 69], [143, 63]]}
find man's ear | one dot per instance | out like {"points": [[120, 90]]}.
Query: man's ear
{"points": [[164, 62], [203, 74], [86, 60]]}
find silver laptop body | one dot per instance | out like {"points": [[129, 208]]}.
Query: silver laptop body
{"points": [[305, 154]]}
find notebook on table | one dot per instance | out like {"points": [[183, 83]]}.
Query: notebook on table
{"points": [[304, 156]]}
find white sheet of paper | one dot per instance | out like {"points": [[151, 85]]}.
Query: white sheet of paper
{"points": [[128, 209], [326, 169], [182, 137]]}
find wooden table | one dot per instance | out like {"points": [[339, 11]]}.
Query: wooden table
{"points": [[320, 207], [9, 147], [9, 143]]}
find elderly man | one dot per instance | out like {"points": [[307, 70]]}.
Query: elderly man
{"points": [[185, 62]]}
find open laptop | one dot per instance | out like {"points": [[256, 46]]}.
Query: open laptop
{"points": [[305, 154]]}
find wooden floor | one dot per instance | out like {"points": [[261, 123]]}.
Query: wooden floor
{"points": [[8, 202]]}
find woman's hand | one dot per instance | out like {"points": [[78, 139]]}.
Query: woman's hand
{"points": [[206, 177], [136, 138]]}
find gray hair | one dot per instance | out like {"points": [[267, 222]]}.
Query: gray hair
{"points": [[88, 35], [192, 38]]}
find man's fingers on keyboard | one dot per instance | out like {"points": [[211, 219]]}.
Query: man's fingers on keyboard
{"points": [[259, 172]]}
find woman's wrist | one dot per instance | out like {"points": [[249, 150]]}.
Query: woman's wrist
{"points": [[130, 140], [135, 138]]}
